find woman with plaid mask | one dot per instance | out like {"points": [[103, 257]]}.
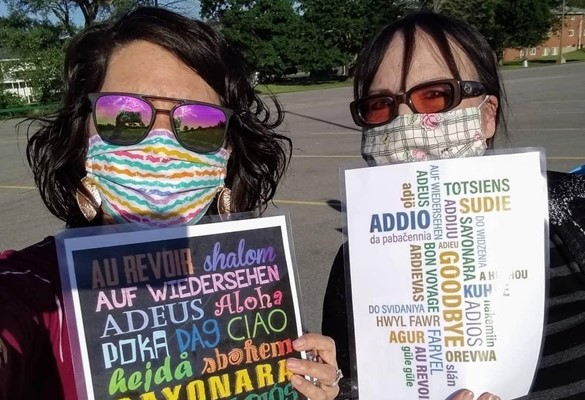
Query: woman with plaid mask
{"points": [[427, 87]]}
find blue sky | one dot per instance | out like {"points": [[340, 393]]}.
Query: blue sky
{"points": [[194, 11], [78, 17]]}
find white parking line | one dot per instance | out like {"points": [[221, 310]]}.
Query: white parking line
{"points": [[338, 133], [303, 203], [17, 187], [325, 156], [358, 156], [547, 130], [570, 158]]}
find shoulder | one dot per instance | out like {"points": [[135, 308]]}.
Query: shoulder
{"points": [[31, 254], [33, 266], [566, 194], [566, 203], [559, 180], [33, 331]]}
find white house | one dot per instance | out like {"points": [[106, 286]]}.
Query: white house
{"points": [[10, 81]]}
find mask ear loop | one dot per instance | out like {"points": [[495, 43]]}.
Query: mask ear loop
{"points": [[487, 96], [482, 134]]}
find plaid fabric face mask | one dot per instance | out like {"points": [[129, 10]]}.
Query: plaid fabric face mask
{"points": [[420, 137]]}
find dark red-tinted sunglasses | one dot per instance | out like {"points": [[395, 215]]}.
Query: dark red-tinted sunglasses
{"points": [[429, 97], [126, 118]]}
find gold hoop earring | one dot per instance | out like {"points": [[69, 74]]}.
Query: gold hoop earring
{"points": [[224, 203], [89, 206]]}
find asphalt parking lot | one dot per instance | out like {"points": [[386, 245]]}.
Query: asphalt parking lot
{"points": [[547, 108]]}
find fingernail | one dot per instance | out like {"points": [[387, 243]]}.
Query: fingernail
{"points": [[466, 395], [292, 363], [299, 343]]}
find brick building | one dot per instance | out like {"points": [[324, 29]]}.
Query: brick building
{"points": [[573, 39]]}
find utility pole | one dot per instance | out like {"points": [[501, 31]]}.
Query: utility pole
{"points": [[560, 59], [580, 45]]}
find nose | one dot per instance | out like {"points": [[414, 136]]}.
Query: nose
{"points": [[162, 120], [404, 109], [162, 116]]}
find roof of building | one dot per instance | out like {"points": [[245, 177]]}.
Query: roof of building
{"points": [[572, 10]]}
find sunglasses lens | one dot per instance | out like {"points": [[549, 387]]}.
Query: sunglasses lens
{"points": [[377, 110], [433, 98], [199, 127], [122, 120]]}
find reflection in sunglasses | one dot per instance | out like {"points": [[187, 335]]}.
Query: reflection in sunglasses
{"points": [[428, 97], [125, 119]]}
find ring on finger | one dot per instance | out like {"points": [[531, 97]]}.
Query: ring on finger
{"points": [[338, 376]]}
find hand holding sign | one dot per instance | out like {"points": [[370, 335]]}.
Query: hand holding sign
{"points": [[324, 371], [468, 395], [440, 279], [3, 354], [205, 311]]}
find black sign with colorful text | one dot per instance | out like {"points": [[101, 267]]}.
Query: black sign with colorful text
{"points": [[199, 312]]}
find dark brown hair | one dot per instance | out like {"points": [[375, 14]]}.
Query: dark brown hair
{"points": [[57, 151], [442, 31]]}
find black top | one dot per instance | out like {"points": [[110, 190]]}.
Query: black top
{"points": [[561, 373]]}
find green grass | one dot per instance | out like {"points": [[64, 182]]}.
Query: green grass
{"points": [[512, 65], [285, 87], [573, 56], [577, 55], [28, 111]]}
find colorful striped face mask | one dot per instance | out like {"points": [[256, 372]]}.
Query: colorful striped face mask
{"points": [[157, 181]]}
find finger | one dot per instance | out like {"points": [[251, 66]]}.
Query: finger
{"points": [[326, 373], [324, 345], [3, 354], [332, 391], [311, 391], [488, 396]]}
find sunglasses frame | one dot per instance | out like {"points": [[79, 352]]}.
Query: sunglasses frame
{"points": [[461, 90], [94, 97]]}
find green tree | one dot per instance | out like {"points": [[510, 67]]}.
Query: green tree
{"points": [[268, 32], [62, 11], [38, 49], [215, 10], [480, 14], [377, 13], [332, 33], [575, 4], [504, 23], [338, 29], [312, 35], [36, 32], [9, 100], [524, 23]]}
